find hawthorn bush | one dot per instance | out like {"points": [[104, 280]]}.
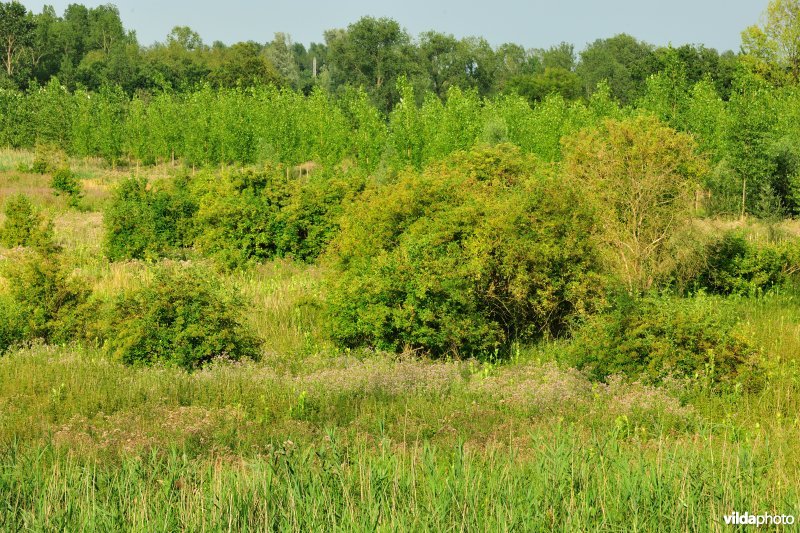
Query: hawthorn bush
{"points": [[149, 221], [183, 317], [25, 225], [736, 266], [238, 219], [64, 181], [471, 254], [256, 214], [653, 338], [44, 300]]}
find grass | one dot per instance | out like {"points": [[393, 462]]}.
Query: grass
{"points": [[313, 438]]}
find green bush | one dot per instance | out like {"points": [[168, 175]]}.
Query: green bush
{"points": [[48, 158], [463, 258], [25, 225], [238, 218], [311, 217], [736, 266], [64, 181], [145, 221], [653, 338], [253, 215], [183, 317], [45, 301]]}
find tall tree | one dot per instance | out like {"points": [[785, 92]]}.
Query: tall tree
{"points": [[774, 45], [641, 175], [16, 34], [621, 60], [371, 53]]}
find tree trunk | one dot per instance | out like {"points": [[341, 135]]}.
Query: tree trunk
{"points": [[744, 196]]}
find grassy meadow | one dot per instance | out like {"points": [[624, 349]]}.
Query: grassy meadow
{"points": [[317, 438]]}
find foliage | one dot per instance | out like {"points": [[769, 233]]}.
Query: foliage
{"points": [[253, 215], [65, 181], [145, 221], [183, 317], [774, 46], [11, 328], [656, 338], [465, 257], [45, 301], [48, 158], [238, 219], [622, 61], [25, 225], [735, 265], [641, 175]]}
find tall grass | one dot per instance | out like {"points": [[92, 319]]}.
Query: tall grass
{"points": [[568, 485], [375, 443]]}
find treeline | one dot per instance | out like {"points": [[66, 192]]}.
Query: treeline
{"points": [[752, 138], [89, 47]]}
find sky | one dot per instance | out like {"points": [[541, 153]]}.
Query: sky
{"points": [[533, 24]]}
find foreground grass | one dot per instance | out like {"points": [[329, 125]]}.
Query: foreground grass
{"points": [[371, 443]]}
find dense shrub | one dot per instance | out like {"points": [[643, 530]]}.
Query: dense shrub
{"points": [[146, 221], [64, 181], [238, 218], [652, 338], [253, 215], [311, 217], [25, 225], [736, 266], [183, 317], [48, 158], [45, 301], [465, 257]]}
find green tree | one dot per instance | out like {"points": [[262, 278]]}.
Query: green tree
{"points": [[641, 175], [371, 53], [774, 45], [280, 54], [622, 61], [16, 35], [243, 64]]}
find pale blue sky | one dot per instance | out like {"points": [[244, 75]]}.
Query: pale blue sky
{"points": [[533, 24]]}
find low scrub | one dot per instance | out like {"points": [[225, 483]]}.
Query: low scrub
{"points": [[65, 182], [45, 300], [183, 317], [735, 265], [25, 225], [657, 338], [146, 221], [253, 215]]}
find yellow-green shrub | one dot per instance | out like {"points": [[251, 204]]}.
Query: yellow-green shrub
{"points": [[653, 338], [467, 256], [184, 317]]}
